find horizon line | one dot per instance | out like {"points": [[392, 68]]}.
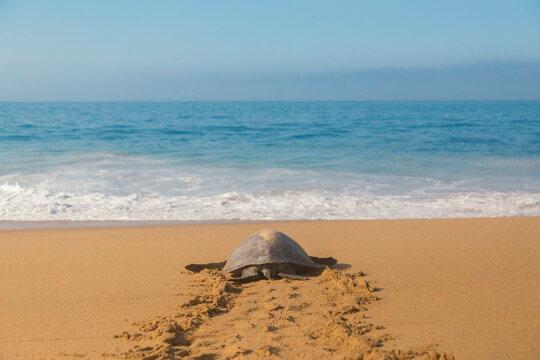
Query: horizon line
{"points": [[267, 101]]}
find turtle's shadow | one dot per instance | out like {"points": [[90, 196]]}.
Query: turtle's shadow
{"points": [[341, 266], [195, 268]]}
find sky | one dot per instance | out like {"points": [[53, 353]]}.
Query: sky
{"points": [[269, 50]]}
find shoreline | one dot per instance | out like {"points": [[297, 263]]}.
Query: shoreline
{"points": [[11, 225]]}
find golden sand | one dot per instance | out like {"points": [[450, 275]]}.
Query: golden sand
{"points": [[433, 288], [321, 317]]}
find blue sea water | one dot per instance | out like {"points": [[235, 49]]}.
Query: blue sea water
{"points": [[268, 160]]}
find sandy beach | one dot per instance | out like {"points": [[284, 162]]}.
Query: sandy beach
{"points": [[467, 288], [298, 180]]}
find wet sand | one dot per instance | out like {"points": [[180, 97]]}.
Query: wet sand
{"points": [[469, 287]]}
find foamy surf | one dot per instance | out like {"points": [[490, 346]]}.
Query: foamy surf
{"points": [[360, 197]]}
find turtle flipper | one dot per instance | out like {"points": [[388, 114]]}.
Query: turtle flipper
{"points": [[249, 272]]}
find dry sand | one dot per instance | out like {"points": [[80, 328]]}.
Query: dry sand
{"points": [[467, 287]]}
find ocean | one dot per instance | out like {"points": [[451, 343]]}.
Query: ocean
{"points": [[213, 161]]}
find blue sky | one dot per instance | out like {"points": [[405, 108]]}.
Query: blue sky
{"points": [[271, 50]]}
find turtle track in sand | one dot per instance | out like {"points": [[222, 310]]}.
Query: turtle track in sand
{"points": [[321, 317]]}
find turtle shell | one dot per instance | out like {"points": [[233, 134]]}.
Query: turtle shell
{"points": [[267, 247]]}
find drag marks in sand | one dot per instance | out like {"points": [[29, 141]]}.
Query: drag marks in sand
{"points": [[320, 317]]}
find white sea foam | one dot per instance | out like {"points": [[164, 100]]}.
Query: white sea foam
{"points": [[42, 204], [138, 189]]}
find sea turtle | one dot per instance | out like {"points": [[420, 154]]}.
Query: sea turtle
{"points": [[267, 253], [270, 253]]}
